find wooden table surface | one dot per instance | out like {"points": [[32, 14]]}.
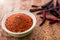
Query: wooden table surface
{"points": [[45, 32]]}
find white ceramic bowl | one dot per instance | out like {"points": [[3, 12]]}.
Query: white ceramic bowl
{"points": [[18, 34]]}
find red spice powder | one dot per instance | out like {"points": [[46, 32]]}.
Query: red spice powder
{"points": [[18, 22]]}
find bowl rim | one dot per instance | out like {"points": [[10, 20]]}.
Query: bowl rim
{"points": [[14, 12]]}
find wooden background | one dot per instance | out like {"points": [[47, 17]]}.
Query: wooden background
{"points": [[45, 32]]}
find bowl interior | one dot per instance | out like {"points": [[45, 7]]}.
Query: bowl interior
{"points": [[14, 12]]}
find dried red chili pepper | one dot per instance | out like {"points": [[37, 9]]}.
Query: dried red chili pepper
{"points": [[57, 4], [46, 5], [34, 10], [58, 13], [47, 10], [54, 19], [44, 18], [52, 22], [35, 6]]}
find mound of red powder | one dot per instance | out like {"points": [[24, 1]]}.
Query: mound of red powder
{"points": [[18, 22]]}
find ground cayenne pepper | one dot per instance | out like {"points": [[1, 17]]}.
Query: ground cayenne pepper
{"points": [[18, 22]]}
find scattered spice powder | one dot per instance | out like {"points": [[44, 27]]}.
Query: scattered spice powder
{"points": [[18, 22]]}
